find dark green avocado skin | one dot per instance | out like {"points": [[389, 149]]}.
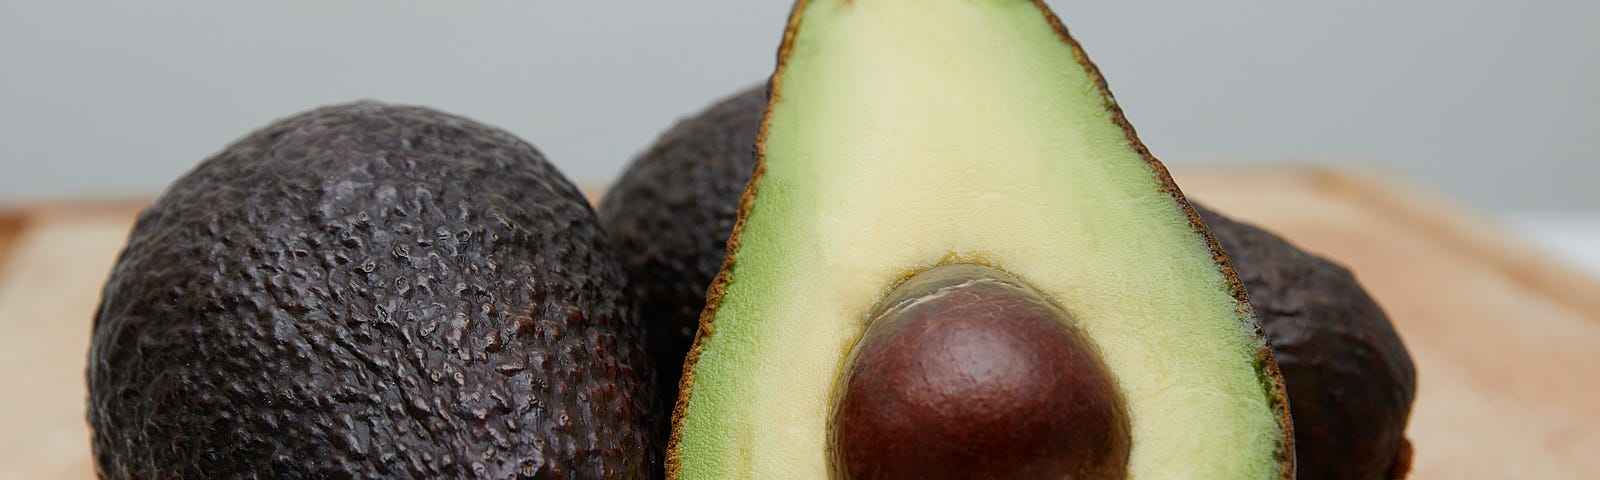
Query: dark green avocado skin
{"points": [[370, 291], [1349, 378]]}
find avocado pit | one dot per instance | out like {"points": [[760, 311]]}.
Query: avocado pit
{"points": [[964, 371]]}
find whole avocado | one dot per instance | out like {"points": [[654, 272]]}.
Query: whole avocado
{"points": [[1349, 378], [370, 291]]}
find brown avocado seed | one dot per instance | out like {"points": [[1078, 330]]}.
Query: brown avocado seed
{"points": [[966, 372]]}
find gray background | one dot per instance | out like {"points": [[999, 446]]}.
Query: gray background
{"points": [[1496, 102]]}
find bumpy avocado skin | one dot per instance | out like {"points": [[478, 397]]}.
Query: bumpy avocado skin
{"points": [[370, 291], [1349, 378]]}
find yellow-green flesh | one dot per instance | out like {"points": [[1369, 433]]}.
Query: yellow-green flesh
{"points": [[908, 131]]}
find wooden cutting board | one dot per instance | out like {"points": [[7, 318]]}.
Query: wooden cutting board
{"points": [[1507, 342]]}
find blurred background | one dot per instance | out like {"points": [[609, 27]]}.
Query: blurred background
{"points": [[1491, 102]]}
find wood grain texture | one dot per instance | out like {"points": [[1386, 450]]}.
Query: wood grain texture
{"points": [[1507, 342], [10, 227]]}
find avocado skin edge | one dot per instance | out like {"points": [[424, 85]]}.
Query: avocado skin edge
{"points": [[1349, 379], [670, 214], [370, 291]]}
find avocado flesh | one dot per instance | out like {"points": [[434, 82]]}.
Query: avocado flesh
{"points": [[370, 291], [904, 134]]}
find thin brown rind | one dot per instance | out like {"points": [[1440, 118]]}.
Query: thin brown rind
{"points": [[746, 201]]}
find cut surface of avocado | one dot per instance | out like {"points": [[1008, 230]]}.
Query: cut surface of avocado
{"points": [[906, 134]]}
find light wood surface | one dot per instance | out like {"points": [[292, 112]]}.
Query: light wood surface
{"points": [[49, 288], [1507, 342]]}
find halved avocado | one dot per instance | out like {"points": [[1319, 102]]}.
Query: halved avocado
{"points": [[906, 136]]}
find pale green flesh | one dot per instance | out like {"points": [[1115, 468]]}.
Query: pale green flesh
{"points": [[909, 131]]}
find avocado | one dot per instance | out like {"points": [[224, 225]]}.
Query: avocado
{"points": [[906, 137], [671, 213], [1350, 381], [669, 216], [370, 291]]}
